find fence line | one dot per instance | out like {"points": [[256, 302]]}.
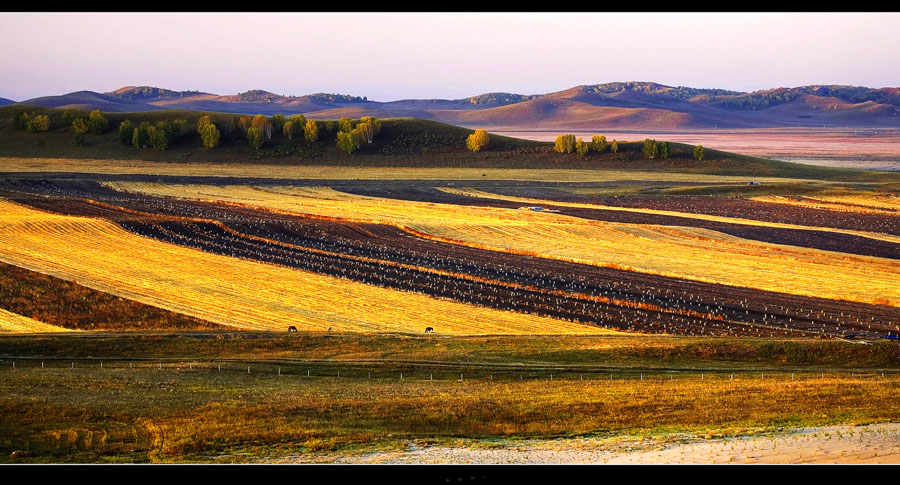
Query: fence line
{"points": [[487, 375]]}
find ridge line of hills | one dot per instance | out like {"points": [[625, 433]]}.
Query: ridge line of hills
{"points": [[618, 105]]}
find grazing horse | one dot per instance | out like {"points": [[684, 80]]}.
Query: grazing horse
{"points": [[429, 330], [292, 329]]}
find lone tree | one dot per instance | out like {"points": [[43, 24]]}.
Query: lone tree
{"points": [[614, 146], [598, 143], [478, 140], [581, 147], [255, 137], [651, 149], [98, 123], [565, 143], [126, 131], [311, 132], [698, 152], [210, 136], [664, 150]]}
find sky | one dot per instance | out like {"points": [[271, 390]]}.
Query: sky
{"points": [[390, 56]]}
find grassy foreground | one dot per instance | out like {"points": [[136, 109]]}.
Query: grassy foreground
{"points": [[163, 397]]}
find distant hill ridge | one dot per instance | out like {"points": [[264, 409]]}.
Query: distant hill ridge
{"points": [[622, 105]]}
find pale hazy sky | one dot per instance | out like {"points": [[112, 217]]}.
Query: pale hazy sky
{"points": [[388, 56]]}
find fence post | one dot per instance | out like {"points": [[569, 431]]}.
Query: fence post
{"points": [[401, 376], [431, 376], [279, 371], [307, 372], [248, 369], [551, 376]]}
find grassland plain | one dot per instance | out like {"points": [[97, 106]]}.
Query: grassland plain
{"points": [[403, 142], [232, 291], [241, 396], [691, 253]]}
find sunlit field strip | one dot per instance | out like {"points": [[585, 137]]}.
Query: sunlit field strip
{"points": [[235, 292], [140, 167], [692, 253], [475, 193], [15, 323], [862, 204]]}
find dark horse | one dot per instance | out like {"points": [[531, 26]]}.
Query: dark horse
{"points": [[429, 330], [292, 329]]}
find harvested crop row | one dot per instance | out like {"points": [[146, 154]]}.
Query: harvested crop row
{"points": [[14, 323], [66, 305], [881, 246], [743, 208], [371, 253], [236, 292], [690, 253]]}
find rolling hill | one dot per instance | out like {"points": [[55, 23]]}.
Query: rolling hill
{"points": [[628, 105]]}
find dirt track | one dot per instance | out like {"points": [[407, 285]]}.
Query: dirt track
{"points": [[877, 443]]}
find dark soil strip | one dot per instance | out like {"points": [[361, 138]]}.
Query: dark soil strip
{"points": [[371, 253], [733, 207], [823, 240], [70, 305]]}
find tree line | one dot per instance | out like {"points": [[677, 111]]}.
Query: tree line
{"points": [[567, 143]]}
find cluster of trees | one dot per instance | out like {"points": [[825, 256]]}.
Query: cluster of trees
{"points": [[32, 123], [478, 140], [352, 133], [653, 149], [160, 136], [568, 143]]}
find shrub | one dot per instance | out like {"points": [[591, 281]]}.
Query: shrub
{"points": [[478, 140], [598, 143], [698, 152]]}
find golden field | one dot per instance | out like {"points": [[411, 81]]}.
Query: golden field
{"points": [[15, 323], [234, 292], [324, 172], [692, 253]]}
